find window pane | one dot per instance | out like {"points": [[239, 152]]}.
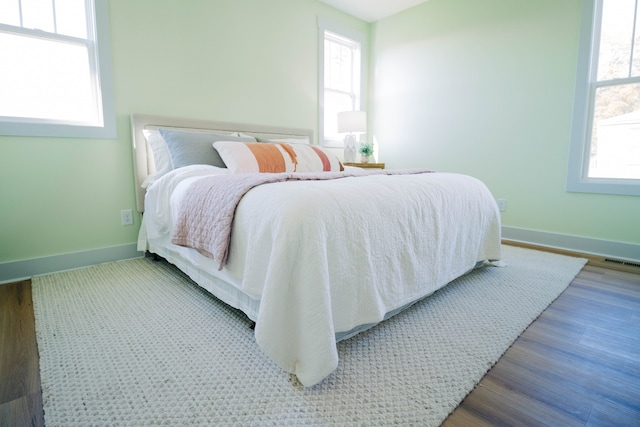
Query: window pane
{"points": [[9, 12], [615, 143], [338, 66], [340, 86], [47, 79], [615, 39], [38, 14], [70, 18], [333, 104]]}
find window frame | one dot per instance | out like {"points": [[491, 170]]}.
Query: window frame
{"points": [[583, 110], [100, 49], [325, 24]]}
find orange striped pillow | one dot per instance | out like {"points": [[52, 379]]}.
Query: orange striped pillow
{"points": [[242, 157]]}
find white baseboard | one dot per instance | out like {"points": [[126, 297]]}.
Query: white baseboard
{"points": [[586, 245], [21, 270]]}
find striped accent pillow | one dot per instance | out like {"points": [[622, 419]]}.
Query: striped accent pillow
{"points": [[243, 157]]}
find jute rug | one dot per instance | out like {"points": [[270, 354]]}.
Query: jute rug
{"points": [[135, 343]]}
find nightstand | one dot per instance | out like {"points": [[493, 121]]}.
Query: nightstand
{"points": [[366, 165]]}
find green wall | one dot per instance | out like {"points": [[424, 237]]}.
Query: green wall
{"points": [[249, 61], [486, 88], [478, 87]]}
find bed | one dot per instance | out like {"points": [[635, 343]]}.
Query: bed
{"points": [[312, 256]]}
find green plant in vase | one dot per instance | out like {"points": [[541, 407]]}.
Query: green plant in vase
{"points": [[365, 150]]}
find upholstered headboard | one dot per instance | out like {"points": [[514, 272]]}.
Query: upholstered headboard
{"points": [[143, 164]]}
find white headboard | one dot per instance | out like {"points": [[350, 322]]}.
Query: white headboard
{"points": [[141, 153]]}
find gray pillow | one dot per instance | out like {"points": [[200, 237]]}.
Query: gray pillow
{"points": [[196, 148]]}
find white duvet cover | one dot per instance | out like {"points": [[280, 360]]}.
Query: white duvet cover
{"points": [[312, 259]]}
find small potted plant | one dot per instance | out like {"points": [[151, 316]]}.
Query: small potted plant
{"points": [[365, 150]]}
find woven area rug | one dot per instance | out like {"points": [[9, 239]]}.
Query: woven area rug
{"points": [[136, 343]]}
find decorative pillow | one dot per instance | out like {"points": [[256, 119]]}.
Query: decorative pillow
{"points": [[195, 148], [275, 157], [313, 158]]}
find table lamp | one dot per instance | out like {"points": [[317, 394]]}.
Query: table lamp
{"points": [[351, 122]]}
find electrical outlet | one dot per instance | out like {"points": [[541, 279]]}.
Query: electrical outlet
{"points": [[126, 217], [502, 204]]}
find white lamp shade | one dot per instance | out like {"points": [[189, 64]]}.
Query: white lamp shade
{"points": [[352, 121]]}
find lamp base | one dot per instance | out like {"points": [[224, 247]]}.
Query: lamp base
{"points": [[350, 148]]}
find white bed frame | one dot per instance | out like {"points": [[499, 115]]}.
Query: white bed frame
{"points": [[143, 158]]}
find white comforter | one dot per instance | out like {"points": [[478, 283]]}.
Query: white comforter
{"points": [[324, 257]]}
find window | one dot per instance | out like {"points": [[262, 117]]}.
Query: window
{"points": [[55, 79], [341, 77], [605, 146]]}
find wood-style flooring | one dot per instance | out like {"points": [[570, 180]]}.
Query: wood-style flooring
{"points": [[578, 364], [20, 392]]}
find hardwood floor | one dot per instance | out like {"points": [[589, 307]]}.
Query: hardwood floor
{"points": [[20, 392], [578, 364]]}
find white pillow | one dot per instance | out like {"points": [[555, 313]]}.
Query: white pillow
{"points": [[287, 140], [264, 137], [160, 159], [246, 135]]}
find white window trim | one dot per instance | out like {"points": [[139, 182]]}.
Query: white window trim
{"points": [[577, 180], [325, 24], [29, 127]]}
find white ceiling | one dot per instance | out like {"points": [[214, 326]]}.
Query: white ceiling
{"points": [[372, 10]]}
